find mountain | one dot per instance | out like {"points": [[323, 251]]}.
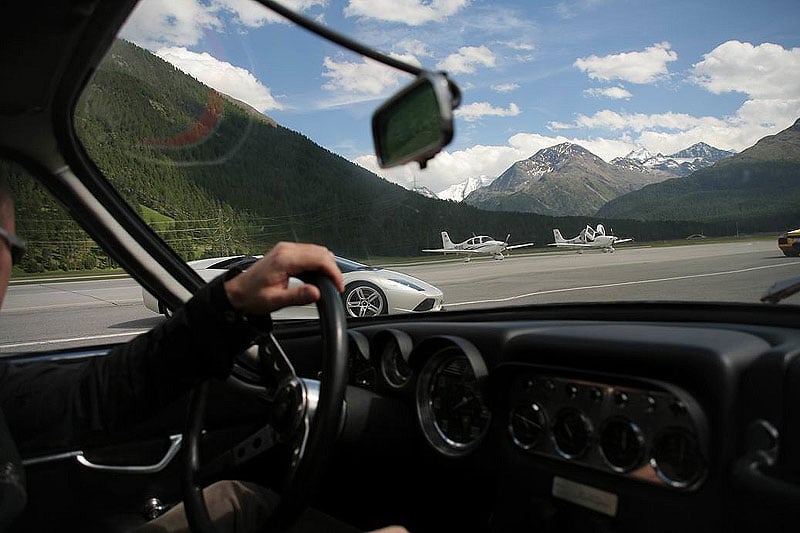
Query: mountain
{"points": [[426, 192], [459, 191], [762, 182], [565, 179], [681, 163]]}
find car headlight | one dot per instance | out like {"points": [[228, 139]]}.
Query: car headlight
{"points": [[404, 284]]}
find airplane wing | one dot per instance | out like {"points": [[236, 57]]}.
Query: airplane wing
{"points": [[519, 246], [622, 240], [571, 245], [453, 251]]}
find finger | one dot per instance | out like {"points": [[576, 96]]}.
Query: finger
{"points": [[307, 257], [300, 295]]}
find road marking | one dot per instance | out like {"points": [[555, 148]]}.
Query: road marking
{"points": [[95, 277], [74, 339], [619, 284]]}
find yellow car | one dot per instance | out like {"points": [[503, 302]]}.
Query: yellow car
{"points": [[789, 243]]}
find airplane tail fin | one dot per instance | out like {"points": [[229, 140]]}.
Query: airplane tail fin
{"points": [[447, 244], [557, 236]]}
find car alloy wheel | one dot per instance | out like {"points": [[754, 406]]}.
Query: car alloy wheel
{"points": [[364, 299]]}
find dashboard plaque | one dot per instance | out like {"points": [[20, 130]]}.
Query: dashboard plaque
{"points": [[585, 496]]}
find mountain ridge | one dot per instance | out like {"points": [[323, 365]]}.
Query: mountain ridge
{"points": [[563, 179], [760, 181]]}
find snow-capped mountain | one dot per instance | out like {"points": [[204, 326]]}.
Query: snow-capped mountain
{"points": [[565, 179], [459, 191], [681, 163], [424, 191]]}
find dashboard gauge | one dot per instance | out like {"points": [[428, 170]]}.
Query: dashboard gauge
{"points": [[677, 458], [394, 349], [572, 433], [622, 444], [362, 372], [527, 425], [451, 404]]}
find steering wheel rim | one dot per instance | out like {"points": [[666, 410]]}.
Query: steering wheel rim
{"points": [[321, 432]]}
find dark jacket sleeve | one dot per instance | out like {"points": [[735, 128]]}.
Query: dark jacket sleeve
{"points": [[58, 402]]}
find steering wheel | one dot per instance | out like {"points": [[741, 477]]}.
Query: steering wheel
{"points": [[309, 429]]}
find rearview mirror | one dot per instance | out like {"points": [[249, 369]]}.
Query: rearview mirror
{"points": [[417, 122]]}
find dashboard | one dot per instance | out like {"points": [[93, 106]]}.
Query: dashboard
{"points": [[629, 425]]}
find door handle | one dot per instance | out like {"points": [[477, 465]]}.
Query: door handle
{"points": [[174, 448]]}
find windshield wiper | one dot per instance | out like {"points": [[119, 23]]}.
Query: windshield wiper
{"points": [[782, 289]]}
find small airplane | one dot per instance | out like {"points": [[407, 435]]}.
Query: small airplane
{"points": [[477, 244], [588, 238]]}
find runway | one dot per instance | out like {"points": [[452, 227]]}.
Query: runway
{"points": [[54, 315]]}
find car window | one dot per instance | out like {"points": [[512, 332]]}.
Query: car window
{"points": [[65, 292], [591, 162], [238, 146]]}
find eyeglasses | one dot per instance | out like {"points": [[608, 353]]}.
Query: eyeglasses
{"points": [[15, 244]]}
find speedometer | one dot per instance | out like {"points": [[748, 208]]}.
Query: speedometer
{"points": [[450, 400]]}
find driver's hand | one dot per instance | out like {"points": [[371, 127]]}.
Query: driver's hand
{"points": [[264, 287]]}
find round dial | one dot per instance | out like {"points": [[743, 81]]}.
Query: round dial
{"points": [[572, 433], [676, 458], [460, 415], [622, 444], [452, 411], [527, 425], [394, 366]]}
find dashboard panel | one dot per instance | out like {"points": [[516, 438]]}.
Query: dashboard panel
{"points": [[624, 421]]}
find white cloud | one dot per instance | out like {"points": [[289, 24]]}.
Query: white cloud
{"points": [[414, 47], [670, 132], [615, 93], [567, 9], [410, 12], [477, 110], [449, 168], [764, 71], [365, 77], [505, 87], [612, 120], [646, 66], [254, 15], [224, 77], [157, 24], [467, 59], [154, 24]]}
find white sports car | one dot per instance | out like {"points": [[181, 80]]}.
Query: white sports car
{"points": [[369, 291]]}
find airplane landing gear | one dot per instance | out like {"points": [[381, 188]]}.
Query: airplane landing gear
{"points": [[499, 256]]}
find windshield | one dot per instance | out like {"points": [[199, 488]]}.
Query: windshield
{"points": [[603, 151], [595, 158]]}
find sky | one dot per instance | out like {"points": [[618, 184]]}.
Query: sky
{"points": [[610, 75]]}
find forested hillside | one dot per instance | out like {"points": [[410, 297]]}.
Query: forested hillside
{"points": [[215, 177], [760, 186]]}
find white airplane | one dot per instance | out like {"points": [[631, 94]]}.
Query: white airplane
{"points": [[478, 244], [588, 238]]}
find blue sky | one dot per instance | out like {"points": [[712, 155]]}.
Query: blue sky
{"points": [[611, 75]]}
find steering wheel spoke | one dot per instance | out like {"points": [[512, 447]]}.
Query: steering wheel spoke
{"points": [[275, 368], [250, 447]]}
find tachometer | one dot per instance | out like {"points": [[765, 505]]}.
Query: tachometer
{"points": [[450, 401]]}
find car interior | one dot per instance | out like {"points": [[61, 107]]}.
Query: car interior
{"points": [[595, 417]]}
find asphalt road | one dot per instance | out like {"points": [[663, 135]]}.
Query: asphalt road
{"points": [[49, 315]]}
